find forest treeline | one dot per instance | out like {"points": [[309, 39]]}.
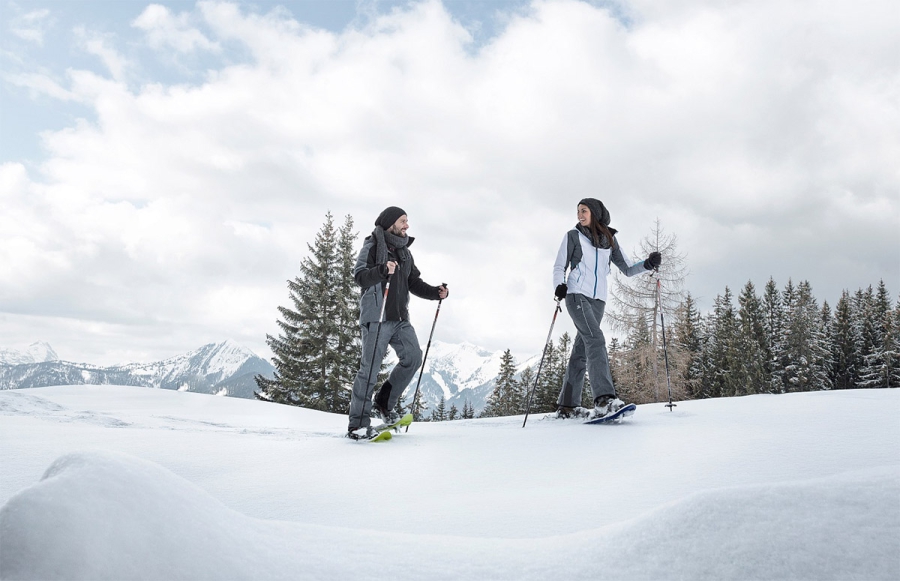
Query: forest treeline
{"points": [[777, 341]]}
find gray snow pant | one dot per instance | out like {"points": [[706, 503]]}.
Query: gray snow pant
{"points": [[402, 337], [588, 352]]}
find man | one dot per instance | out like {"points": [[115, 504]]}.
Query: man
{"points": [[385, 257]]}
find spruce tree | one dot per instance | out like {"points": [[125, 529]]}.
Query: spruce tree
{"points": [[843, 343], [439, 414], [525, 383], [773, 323], [892, 345], [546, 392], [687, 337], [453, 413], [753, 371], [504, 399], [805, 350], [867, 331], [882, 359], [721, 354], [316, 353]]}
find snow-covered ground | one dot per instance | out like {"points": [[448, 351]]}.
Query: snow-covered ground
{"points": [[105, 482]]}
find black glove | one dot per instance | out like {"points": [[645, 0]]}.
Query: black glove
{"points": [[561, 291], [653, 261]]}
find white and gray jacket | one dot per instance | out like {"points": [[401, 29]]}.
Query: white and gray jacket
{"points": [[588, 275]]}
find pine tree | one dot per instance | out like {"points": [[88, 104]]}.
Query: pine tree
{"points": [[826, 322], [892, 346], [804, 354], [504, 399], [688, 339], [753, 371], [525, 383], [865, 321], [637, 375], [843, 343], [439, 414], [546, 392], [316, 354], [773, 324], [721, 356], [453, 413], [881, 361], [418, 407], [468, 411]]}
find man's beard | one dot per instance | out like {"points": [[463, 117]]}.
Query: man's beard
{"points": [[397, 232]]}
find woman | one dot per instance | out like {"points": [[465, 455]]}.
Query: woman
{"points": [[587, 252]]}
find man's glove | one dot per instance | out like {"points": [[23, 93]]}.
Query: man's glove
{"points": [[561, 291], [653, 261]]}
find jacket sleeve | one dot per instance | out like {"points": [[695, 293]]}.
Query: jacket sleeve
{"points": [[366, 273], [562, 261], [419, 288], [621, 261]]}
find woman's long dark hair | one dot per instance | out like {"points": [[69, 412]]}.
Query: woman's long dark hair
{"points": [[598, 231]]}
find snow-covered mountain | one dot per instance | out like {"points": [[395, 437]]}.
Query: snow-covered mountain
{"points": [[460, 372], [219, 368], [38, 352]]}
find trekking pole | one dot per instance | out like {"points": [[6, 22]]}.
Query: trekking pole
{"points": [[556, 311], [425, 357], [662, 320], [362, 409]]}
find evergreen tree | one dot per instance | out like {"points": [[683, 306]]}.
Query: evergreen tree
{"points": [[504, 399], [525, 383], [721, 356], [468, 411], [892, 346], [316, 353], [867, 333], [843, 343], [439, 414], [826, 321], [453, 413], [753, 373], [880, 363], [419, 407], [805, 352], [546, 392], [773, 324], [688, 338]]}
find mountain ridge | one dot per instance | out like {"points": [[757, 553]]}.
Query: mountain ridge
{"points": [[458, 372]]}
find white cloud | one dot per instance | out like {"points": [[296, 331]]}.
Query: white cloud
{"points": [[30, 26], [764, 134], [164, 29], [99, 46]]}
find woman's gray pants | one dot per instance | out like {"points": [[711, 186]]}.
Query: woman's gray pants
{"points": [[588, 352], [402, 337]]}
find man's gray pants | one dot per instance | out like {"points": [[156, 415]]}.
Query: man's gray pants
{"points": [[588, 352], [402, 337]]}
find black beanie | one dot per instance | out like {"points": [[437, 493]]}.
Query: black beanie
{"points": [[598, 210], [390, 215]]}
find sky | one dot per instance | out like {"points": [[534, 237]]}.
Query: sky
{"points": [[163, 166], [114, 482]]}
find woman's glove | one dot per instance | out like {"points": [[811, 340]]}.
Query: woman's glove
{"points": [[561, 291], [653, 261]]}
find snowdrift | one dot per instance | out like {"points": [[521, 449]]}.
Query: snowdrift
{"points": [[98, 515]]}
